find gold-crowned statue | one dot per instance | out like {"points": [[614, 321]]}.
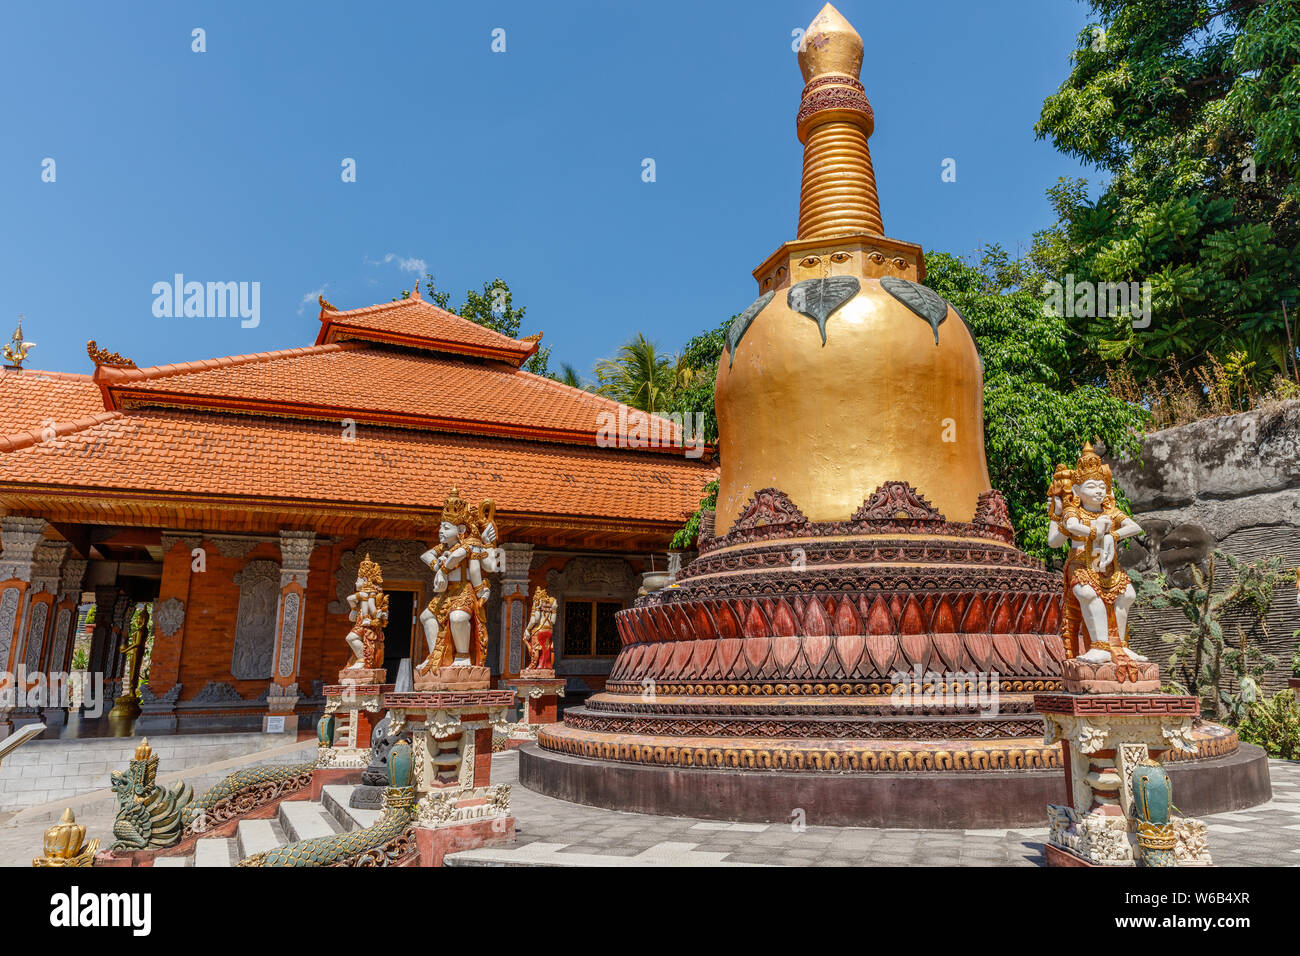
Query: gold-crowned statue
{"points": [[1098, 593], [455, 622], [368, 610], [539, 634]]}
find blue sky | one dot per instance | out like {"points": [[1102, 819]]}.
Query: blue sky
{"points": [[225, 165]]}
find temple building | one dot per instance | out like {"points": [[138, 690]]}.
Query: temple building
{"points": [[237, 497]]}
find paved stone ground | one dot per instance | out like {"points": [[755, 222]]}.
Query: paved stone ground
{"points": [[549, 830], [552, 831]]}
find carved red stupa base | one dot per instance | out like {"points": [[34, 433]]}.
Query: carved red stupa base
{"points": [[894, 642]]}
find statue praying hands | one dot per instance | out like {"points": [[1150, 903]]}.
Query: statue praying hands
{"points": [[1098, 593]]}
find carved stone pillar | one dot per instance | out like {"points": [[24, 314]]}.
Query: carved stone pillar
{"points": [[295, 559], [514, 605], [20, 537], [102, 635], [58, 660], [47, 571]]}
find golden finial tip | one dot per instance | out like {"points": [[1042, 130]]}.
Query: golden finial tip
{"points": [[830, 45], [67, 816]]}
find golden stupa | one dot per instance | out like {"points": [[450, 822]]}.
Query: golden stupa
{"points": [[843, 304]]}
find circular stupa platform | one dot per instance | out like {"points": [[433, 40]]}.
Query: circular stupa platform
{"points": [[944, 799]]}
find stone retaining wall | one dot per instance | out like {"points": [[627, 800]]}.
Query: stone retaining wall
{"points": [[44, 770]]}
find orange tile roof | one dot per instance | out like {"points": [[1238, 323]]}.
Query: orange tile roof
{"points": [[213, 455], [31, 400], [378, 383], [421, 324]]}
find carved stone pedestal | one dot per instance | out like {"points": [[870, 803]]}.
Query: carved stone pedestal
{"points": [[454, 678], [362, 675], [1085, 677], [1104, 739], [344, 751], [539, 693], [459, 807]]}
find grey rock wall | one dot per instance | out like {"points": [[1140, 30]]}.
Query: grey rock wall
{"points": [[1231, 484]]}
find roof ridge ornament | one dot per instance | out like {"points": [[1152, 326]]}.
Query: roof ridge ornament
{"points": [[103, 357], [17, 349], [325, 304]]}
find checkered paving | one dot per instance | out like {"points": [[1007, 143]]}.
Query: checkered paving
{"points": [[550, 830]]}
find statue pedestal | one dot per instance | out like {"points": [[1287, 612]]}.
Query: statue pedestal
{"points": [[1104, 738], [459, 808], [454, 678], [362, 675], [355, 708], [539, 692]]}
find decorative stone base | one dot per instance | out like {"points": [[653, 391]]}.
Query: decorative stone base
{"points": [[538, 705], [434, 844], [1084, 677], [536, 674], [362, 675], [1098, 840], [454, 678], [342, 758], [946, 800], [356, 709]]}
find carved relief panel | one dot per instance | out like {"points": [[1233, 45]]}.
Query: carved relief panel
{"points": [[259, 598]]}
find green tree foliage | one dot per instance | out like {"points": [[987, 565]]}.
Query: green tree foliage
{"points": [[1274, 724], [643, 377], [1191, 108], [1035, 414], [694, 393], [492, 308]]}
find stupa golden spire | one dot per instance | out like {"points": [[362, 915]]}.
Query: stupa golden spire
{"points": [[838, 195]]}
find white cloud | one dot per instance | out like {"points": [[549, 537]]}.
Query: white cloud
{"points": [[412, 264], [311, 298]]}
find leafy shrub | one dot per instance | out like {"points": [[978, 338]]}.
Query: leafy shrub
{"points": [[1274, 724]]}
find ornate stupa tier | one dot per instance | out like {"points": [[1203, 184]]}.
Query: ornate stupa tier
{"points": [[838, 195]]}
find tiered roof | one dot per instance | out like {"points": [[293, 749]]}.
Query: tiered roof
{"points": [[366, 430]]}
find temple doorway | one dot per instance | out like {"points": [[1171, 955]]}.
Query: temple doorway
{"points": [[399, 635]]}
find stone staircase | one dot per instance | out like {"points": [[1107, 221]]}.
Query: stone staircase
{"points": [[295, 820]]}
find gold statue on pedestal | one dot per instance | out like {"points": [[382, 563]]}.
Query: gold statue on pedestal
{"points": [[1098, 592], [538, 635], [127, 706], [455, 622], [369, 611]]}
